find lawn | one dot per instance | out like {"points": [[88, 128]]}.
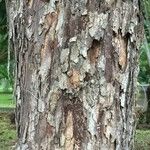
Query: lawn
{"points": [[8, 135], [142, 140], [6, 100], [7, 132]]}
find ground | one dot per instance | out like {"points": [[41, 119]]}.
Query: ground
{"points": [[142, 139], [8, 131], [6, 100]]}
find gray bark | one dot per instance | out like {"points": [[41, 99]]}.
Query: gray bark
{"points": [[76, 70]]}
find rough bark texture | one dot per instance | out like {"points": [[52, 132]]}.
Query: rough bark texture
{"points": [[76, 69]]}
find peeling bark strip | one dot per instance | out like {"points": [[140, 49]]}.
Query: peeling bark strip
{"points": [[76, 69], [78, 131]]}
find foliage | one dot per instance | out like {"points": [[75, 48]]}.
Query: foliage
{"points": [[4, 46], [3, 32], [144, 75]]}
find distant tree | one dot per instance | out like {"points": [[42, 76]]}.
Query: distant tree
{"points": [[76, 72], [3, 33], [5, 59]]}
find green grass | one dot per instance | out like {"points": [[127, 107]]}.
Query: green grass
{"points": [[7, 132], [142, 140], [6, 100], [8, 135]]}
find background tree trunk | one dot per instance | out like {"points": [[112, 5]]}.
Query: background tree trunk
{"points": [[148, 105], [76, 69]]}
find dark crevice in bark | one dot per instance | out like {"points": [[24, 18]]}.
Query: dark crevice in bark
{"points": [[87, 76], [100, 125], [94, 51]]}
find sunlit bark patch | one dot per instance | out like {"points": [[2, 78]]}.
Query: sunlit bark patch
{"points": [[74, 78], [69, 139], [121, 47]]}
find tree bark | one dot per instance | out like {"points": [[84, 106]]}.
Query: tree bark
{"points": [[76, 70]]}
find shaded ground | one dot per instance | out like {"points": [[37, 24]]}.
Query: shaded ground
{"points": [[7, 132], [143, 126], [8, 135]]}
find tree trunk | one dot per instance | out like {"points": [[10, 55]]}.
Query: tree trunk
{"points": [[148, 105], [76, 70]]}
